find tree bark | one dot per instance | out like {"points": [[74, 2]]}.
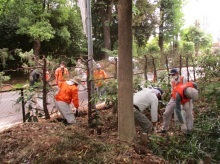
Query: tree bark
{"points": [[106, 13], [194, 69], [145, 68], [155, 70], [47, 115], [180, 65], [126, 125], [161, 27], [37, 46], [167, 67], [187, 68]]}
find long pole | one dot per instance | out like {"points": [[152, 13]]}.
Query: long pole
{"points": [[90, 60]]}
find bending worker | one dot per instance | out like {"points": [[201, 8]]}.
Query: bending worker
{"points": [[68, 94], [148, 97], [176, 80], [184, 94]]}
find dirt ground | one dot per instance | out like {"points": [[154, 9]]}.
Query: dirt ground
{"points": [[50, 141]]}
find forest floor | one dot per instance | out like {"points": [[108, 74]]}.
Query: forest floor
{"points": [[51, 142]]}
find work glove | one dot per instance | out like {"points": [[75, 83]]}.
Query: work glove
{"points": [[77, 113], [183, 128], [154, 128]]}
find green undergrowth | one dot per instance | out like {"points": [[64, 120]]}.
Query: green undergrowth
{"points": [[204, 141]]}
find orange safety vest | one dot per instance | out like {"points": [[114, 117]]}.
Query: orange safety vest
{"points": [[99, 76], [180, 89], [68, 94], [174, 85], [61, 74]]}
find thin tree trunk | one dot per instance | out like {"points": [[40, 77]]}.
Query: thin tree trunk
{"points": [[116, 68], [145, 68], [126, 125], [181, 65], [37, 46], [155, 71], [161, 35], [47, 115], [167, 67], [194, 70], [106, 13], [187, 67]]}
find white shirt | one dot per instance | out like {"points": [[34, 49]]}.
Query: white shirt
{"points": [[147, 98]]}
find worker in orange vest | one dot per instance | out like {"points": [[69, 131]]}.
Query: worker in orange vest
{"points": [[184, 94], [68, 94], [176, 80], [99, 77], [61, 73]]}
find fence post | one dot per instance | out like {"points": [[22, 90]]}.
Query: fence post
{"points": [[22, 103]]}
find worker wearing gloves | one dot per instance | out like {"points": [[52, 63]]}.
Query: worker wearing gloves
{"points": [[176, 80], [184, 94], [147, 97], [68, 94]]}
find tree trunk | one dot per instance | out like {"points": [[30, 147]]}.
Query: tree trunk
{"points": [[194, 70], [145, 68], [37, 46], [126, 125], [47, 115], [161, 37], [161, 27], [155, 71], [106, 13], [167, 67], [180, 65], [187, 68], [116, 68]]}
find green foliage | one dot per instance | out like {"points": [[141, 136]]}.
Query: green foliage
{"points": [[40, 30], [205, 138], [111, 94], [4, 55], [188, 48], [194, 148], [137, 82], [201, 40], [162, 82], [144, 20], [3, 78], [113, 53], [211, 93], [153, 48], [210, 65], [171, 18], [57, 25]]}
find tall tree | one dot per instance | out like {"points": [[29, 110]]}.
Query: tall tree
{"points": [[195, 34], [145, 20], [36, 24], [104, 15], [171, 20], [56, 24], [126, 126]]}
